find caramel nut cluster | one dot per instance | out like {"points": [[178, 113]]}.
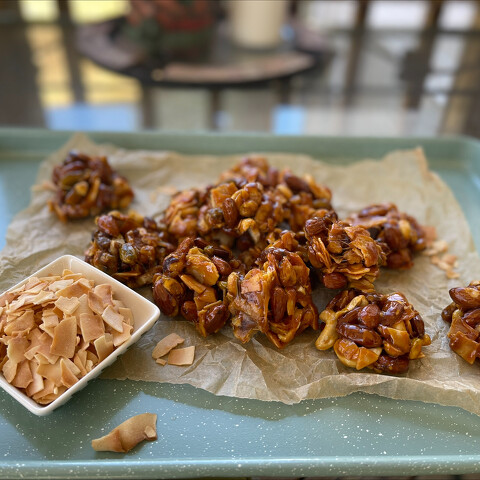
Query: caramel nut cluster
{"points": [[463, 314], [193, 283], [87, 186], [400, 232], [344, 255], [275, 298], [130, 248], [381, 332]]}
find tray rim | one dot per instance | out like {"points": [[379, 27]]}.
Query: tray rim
{"points": [[361, 465]]}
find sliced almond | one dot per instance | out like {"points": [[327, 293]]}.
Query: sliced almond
{"points": [[182, 356], [128, 434], [166, 344], [161, 361]]}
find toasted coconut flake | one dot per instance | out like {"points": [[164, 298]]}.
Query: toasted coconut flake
{"points": [[112, 318], [128, 434], [9, 370], [80, 360], [16, 348], [21, 324], [37, 288], [438, 246], [71, 366], [67, 377], [95, 303], [104, 346], [24, 377], [119, 338], [44, 364], [182, 356], [47, 389], [127, 314], [104, 291], [166, 344], [43, 297], [51, 372], [67, 305], [65, 338], [77, 289], [91, 326], [37, 383], [59, 285]]}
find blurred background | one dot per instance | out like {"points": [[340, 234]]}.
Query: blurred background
{"points": [[351, 67]]}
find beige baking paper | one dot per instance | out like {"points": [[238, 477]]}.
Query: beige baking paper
{"points": [[258, 370]]}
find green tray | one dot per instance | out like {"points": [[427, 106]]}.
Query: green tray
{"points": [[203, 435]]}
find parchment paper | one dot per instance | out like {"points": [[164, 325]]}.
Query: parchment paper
{"points": [[258, 370]]}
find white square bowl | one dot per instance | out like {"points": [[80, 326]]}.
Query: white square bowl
{"points": [[145, 314]]}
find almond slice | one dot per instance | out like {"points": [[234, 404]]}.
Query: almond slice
{"points": [[166, 344], [161, 361], [181, 356], [128, 434]]}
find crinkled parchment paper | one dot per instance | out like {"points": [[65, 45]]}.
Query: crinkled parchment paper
{"points": [[258, 370]]}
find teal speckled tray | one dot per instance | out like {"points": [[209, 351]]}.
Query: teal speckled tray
{"points": [[203, 435]]}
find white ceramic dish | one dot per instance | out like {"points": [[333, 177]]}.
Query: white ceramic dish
{"points": [[145, 314]]}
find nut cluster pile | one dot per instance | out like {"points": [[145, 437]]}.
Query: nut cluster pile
{"points": [[381, 332], [130, 248], [401, 233], [463, 314], [87, 186], [241, 253]]}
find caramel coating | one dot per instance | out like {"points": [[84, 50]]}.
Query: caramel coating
{"points": [[381, 332], [87, 186], [130, 248], [342, 254], [400, 233], [193, 283], [463, 314]]}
